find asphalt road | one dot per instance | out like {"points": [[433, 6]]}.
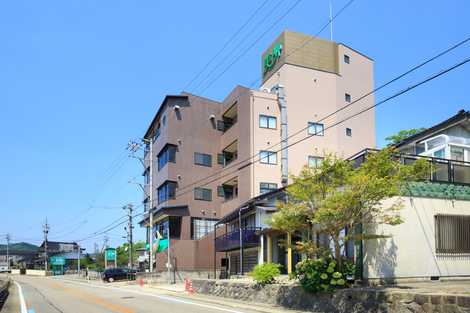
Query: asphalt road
{"points": [[46, 295]]}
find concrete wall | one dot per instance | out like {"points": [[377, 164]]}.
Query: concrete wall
{"points": [[353, 300], [410, 252]]}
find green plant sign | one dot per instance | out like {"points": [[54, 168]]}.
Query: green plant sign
{"points": [[271, 58]]}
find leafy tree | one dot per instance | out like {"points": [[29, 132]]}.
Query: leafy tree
{"points": [[402, 135], [123, 253], [336, 196]]}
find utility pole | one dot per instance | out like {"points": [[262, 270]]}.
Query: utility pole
{"points": [[8, 252], [130, 227], [45, 230], [78, 260]]}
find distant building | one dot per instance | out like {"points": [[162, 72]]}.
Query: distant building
{"points": [[67, 250]]}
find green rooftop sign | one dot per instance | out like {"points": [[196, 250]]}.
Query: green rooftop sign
{"points": [[271, 58]]}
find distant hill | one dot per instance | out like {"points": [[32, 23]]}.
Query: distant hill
{"points": [[21, 247]]}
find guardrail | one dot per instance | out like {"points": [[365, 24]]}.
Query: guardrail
{"points": [[4, 285]]}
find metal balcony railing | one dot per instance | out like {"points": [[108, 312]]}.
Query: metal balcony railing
{"points": [[231, 240], [445, 170]]}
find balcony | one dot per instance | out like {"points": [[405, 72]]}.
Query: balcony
{"points": [[229, 118], [229, 154], [229, 189], [445, 170], [231, 241]]}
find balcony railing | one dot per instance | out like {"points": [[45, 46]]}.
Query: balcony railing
{"points": [[231, 240], [445, 170]]}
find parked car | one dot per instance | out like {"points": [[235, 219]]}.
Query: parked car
{"points": [[114, 274]]}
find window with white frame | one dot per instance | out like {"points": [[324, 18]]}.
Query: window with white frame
{"points": [[203, 194], [268, 157], [347, 97], [314, 161], [201, 227], [202, 159], [316, 129], [267, 187], [266, 121]]}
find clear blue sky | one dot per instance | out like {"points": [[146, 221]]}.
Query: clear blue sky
{"points": [[78, 79]]}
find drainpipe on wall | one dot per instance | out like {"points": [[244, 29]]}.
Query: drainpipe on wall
{"points": [[284, 156], [241, 239], [151, 206]]}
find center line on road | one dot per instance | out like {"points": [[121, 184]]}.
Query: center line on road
{"points": [[166, 298], [22, 303]]}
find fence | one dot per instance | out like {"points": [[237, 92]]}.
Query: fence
{"points": [[4, 285]]}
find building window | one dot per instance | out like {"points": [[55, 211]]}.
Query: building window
{"points": [[314, 161], [203, 194], [266, 121], [452, 233], [457, 153], [201, 227], [164, 120], [316, 129], [166, 191], [167, 154], [346, 59], [146, 204], [347, 97], [202, 159], [268, 157], [147, 176], [267, 187], [172, 223], [349, 132]]}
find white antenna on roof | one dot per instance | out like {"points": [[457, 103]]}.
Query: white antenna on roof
{"points": [[331, 21]]}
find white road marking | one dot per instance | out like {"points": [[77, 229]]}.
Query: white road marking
{"points": [[22, 303], [167, 298]]}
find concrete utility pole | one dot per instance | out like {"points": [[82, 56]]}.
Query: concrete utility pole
{"points": [[78, 260], [8, 252], [130, 227], [45, 230]]}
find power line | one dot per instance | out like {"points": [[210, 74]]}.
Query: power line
{"points": [[252, 45], [245, 38], [407, 72], [238, 31], [307, 41], [352, 116]]}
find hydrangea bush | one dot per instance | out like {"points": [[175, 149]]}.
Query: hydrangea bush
{"points": [[322, 275]]}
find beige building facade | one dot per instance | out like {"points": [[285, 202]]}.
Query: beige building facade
{"points": [[204, 158]]}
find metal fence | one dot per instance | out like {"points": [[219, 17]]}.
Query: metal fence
{"points": [[452, 233], [4, 285]]}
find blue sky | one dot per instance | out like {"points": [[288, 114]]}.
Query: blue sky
{"points": [[78, 79]]}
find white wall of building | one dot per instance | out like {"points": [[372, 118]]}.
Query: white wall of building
{"points": [[410, 252]]}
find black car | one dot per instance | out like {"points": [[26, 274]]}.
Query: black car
{"points": [[114, 274]]}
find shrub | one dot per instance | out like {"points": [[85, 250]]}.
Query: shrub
{"points": [[322, 274], [265, 273]]}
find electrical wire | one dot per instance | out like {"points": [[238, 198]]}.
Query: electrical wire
{"points": [[234, 35], [407, 72], [408, 89]]}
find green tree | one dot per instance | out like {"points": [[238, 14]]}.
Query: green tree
{"points": [[402, 135], [336, 196], [123, 253]]}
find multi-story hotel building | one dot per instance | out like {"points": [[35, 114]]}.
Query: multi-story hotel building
{"points": [[204, 159]]}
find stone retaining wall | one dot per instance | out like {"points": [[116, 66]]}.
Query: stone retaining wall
{"points": [[353, 300]]}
